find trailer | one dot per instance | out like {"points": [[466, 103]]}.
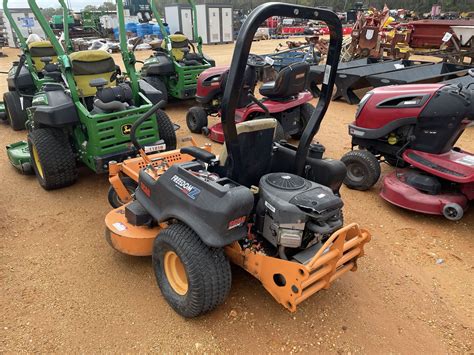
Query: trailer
{"points": [[351, 79]]}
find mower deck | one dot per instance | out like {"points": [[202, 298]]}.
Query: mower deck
{"points": [[19, 156], [288, 281], [399, 193]]}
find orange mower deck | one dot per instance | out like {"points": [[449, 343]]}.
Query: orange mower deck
{"points": [[289, 282]]}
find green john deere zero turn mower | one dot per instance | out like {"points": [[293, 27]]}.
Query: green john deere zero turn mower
{"points": [[174, 68], [27, 75], [88, 118]]}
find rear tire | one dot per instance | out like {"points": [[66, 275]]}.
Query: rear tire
{"points": [[306, 110], [158, 84], [166, 129], [114, 199], [193, 277], [15, 114], [52, 158], [363, 169], [196, 119], [279, 133]]}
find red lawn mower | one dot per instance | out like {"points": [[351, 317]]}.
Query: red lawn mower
{"points": [[285, 99], [414, 128]]}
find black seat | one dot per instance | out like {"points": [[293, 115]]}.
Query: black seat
{"points": [[250, 80], [290, 81]]}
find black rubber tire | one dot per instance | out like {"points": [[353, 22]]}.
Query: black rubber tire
{"points": [[363, 169], [395, 162], [158, 84], [55, 154], [16, 116], [279, 133], [207, 270], [166, 129], [114, 199], [196, 119], [306, 110]]}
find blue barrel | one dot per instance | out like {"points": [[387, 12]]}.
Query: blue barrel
{"points": [[116, 33], [144, 29]]}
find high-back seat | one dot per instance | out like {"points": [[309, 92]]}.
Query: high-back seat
{"points": [[290, 81], [40, 49], [179, 46], [255, 144], [90, 65]]}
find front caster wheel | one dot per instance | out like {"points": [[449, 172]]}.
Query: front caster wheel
{"points": [[453, 211], [193, 277], [196, 119], [363, 169], [113, 197]]}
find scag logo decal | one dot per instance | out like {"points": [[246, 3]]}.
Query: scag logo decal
{"points": [[126, 129], [185, 187]]}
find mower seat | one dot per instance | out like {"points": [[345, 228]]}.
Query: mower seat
{"points": [[40, 49], [90, 65], [255, 143], [250, 81], [179, 46], [290, 81]]}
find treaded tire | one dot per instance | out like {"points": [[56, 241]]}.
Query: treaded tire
{"points": [[306, 110], [363, 169], [158, 84], [16, 116], [166, 129], [57, 161], [279, 133], [207, 270], [196, 119], [114, 199]]}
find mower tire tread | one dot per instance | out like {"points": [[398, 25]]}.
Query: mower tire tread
{"points": [[196, 119], [166, 129], [363, 169], [207, 269], [15, 114], [58, 163], [306, 111], [112, 196]]}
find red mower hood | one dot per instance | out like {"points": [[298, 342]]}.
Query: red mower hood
{"points": [[383, 105], [206, 88]]}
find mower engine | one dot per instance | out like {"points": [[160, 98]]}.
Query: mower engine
{"points": [[296, 213]]}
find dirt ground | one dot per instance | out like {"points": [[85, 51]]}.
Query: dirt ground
{"points": [[65, 290]]}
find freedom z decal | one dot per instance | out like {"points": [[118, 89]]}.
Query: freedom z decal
{"points": [[185, 187]]}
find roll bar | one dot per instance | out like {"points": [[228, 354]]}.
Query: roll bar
{"points": [[239, 61], [67, 40]]}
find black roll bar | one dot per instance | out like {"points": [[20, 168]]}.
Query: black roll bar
{"points": [[234, 83]]}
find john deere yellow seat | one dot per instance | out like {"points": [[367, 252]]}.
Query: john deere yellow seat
{"points": [[89, 65], [39, 50], [179, 46]]}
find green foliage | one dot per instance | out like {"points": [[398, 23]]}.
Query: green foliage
{"points": [[50, 11]]}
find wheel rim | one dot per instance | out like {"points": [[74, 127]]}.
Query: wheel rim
{"points": [[36, 159], [355, 172], [192, 121], [175, 273]]}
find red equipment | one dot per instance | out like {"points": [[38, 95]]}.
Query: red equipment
{"points": [[415, 128], [285, 99]]}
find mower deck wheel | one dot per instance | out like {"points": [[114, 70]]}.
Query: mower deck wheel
{"points": [[306, 110], [112, 196], [193, 277], [52, 157], [15, 114], [166, 129], [363, 169], [196, 119], [453, 211]]}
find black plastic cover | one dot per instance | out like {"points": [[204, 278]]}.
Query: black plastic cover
{"points": [[216, 210], [24, 80], [152, 93], [136, 214], [163, 66], [58, 112]]}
